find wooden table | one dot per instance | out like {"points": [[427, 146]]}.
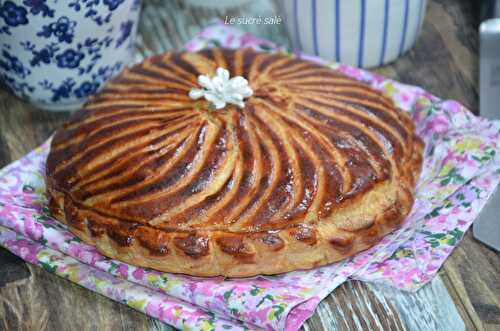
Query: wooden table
{"points": [[465, 294]]}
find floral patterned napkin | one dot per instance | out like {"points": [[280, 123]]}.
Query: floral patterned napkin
{"points": [[461, 170]]}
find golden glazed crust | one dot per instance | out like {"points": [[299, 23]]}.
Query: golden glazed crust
{"points": [[314, 168]]}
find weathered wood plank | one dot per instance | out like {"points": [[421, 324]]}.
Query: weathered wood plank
{"points": [[357, 306], [12, 268], [431, 308], [4, 152], [24, 127], [462, 310], [48, 302], [474, 272]]}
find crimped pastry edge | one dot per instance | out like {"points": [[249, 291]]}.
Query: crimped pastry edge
{"points": [[332, 243]]}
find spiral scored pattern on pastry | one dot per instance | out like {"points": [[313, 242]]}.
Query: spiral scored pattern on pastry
{"points": [[315, 167]]}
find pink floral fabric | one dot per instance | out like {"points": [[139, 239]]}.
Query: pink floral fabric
{"points": [[461, 170]]}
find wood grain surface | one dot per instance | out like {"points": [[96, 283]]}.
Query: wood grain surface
{"points": [[465, 295]]}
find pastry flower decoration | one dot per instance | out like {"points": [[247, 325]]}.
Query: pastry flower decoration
{"points": [[220, 90]]}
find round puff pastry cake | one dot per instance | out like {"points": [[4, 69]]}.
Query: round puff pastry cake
{"points": [[315, 167]]}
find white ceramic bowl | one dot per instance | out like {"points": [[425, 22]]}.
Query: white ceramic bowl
{"points": [[363, 33]]}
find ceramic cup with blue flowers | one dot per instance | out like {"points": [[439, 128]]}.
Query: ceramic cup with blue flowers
{"points": [[57, 53]]}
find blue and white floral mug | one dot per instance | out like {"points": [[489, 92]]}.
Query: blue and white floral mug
{"points": [[56, 53]]}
